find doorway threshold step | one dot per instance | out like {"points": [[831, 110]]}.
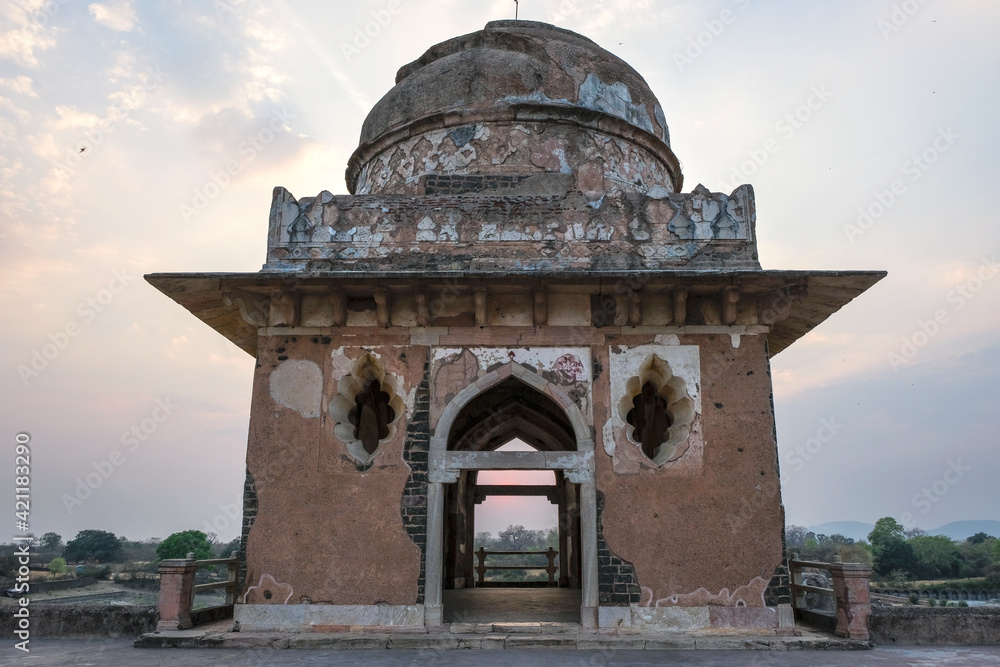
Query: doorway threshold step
{"points": [[515, 628]]}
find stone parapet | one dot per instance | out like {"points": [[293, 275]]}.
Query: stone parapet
{"points": [[498, 233]]}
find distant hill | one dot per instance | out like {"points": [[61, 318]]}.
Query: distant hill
{"points": [[961, 530], [856, 530], [956, 530]]}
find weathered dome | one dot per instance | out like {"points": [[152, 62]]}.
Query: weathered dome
{"points": [[516, 99]]}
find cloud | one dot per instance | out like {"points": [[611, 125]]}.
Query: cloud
{"points": [[19, 84], [115, 15], [70, 117], [26, 31]]}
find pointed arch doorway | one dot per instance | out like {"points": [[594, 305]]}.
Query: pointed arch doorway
{"points": [[509, 402]]}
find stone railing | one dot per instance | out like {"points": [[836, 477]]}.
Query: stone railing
{"points": [[550, 569], [177, 591], [848, 589]]}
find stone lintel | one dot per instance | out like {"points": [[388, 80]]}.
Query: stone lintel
{"points": [[519, 460]]}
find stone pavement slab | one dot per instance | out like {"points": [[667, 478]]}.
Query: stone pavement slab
{"points": [[120, 653]]}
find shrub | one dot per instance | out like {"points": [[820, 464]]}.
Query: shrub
{"points": [[963, 603], [95, 572], [914, 598], [932, 602]]}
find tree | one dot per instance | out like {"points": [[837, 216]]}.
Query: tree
{"points": [[226, 550], [886, 529], [978, 538], [57, 565], [795, 536], [889, 548], [936, 555], [179, 545], [516, 538], [51, 541], [98, 545]]}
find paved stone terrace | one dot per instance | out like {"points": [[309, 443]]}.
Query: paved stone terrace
{"points": [[494, 636], [119, 652]]}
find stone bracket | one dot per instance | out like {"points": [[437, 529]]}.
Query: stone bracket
{"points": [[254, 308]]}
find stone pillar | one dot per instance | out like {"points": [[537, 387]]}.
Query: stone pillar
{"points": [[588, 553], [850, 588], [564, 530], [176, 592], [435, 546]]}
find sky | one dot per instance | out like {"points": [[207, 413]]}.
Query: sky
{"points": [[867, 128]]}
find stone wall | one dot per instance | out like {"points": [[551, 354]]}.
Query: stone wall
{"points": [[706, 528], [61, 584], [318, 494], [935, 626], [73, 620]]}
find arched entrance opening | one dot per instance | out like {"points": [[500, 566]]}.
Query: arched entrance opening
{"points": [[511, 403], [507, 412]]}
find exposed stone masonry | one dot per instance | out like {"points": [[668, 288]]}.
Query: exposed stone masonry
{"points": [[616, 580], [448, 184], [779, 589], [414, 502], [249, 514]]}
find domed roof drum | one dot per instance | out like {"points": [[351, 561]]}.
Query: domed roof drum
{"points": [[519, 99]]}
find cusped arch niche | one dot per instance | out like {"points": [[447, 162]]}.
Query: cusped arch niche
{"points": [[658, 411], [366, 408]]}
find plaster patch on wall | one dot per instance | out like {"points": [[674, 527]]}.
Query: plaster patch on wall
{"points": [[298, 385], [268, 591], [410, 399], [615, 99], [668, 339], [748, 595], [608, 436], [341, 363], [735, 337]]}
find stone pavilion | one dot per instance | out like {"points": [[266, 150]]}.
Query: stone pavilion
{"points": [[517, 259]]}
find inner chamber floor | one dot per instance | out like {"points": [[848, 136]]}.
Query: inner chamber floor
{"points": [[512, 605]]}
